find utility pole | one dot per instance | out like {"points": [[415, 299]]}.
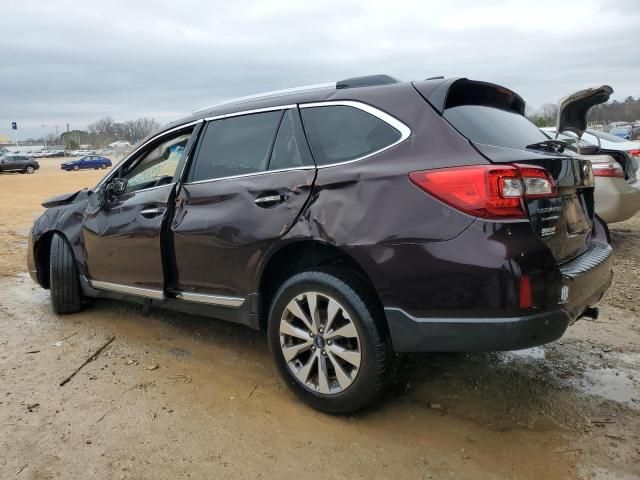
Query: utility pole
{"points": [[44, 139]]}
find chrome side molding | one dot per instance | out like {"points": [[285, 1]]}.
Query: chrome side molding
{"points": [[157, 294], [138, 291], [210, 299]]}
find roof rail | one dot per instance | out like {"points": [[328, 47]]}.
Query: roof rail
{"points": [[272, 94], [367, 81]]}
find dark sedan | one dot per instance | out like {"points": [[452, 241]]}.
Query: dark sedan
{"points": [[89, 161], [18, 163]]}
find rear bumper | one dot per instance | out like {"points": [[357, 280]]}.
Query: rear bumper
{"points": [[615, 199], [584, 282], [411, 334]]}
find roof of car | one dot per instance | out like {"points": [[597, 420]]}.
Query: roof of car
{"points": [[351, 88]]}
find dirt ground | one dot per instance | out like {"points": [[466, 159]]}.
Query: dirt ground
{"points": [[176, 396]]}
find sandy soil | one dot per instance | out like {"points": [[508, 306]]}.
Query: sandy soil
{"points": [[215, 408]]}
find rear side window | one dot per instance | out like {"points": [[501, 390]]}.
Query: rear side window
{"points": [[236, 146], [493, 126], [340, 133]]}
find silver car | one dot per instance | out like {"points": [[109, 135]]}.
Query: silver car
{"points": [[617, 175]]}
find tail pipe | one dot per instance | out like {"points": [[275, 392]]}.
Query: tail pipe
{"points": [[591, 312]]}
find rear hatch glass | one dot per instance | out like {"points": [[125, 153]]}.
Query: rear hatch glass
{"points": [[563, 223]]}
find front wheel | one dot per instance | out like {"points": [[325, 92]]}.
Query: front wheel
{"points": [[63, 280], [76, 168], [30, 170], [103, 166], [327, 338]]}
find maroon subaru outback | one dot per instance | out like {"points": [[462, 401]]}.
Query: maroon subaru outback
{"points": [[349, 221]]}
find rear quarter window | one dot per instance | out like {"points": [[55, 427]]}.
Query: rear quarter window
{"points": [[340, 133]]}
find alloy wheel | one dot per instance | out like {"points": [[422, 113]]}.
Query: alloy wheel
{"points": [[30, 169], [320, 343]]}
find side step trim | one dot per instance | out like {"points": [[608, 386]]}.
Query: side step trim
{"points": [[210, 299], [139, 291]]}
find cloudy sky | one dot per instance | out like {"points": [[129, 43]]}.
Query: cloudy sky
{"points": [[74, 62]]}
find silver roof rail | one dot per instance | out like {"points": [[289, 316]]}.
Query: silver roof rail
{"points": [[273, 94]]}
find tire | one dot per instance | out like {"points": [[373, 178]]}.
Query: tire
{"points": [[103, 166], [63, 280], [76, 168], [30, 170], [360, 313]]}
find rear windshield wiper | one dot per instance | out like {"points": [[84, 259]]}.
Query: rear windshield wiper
{"points": [[555, 146]]}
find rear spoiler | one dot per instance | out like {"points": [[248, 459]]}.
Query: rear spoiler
{"points": [[454, 92]]}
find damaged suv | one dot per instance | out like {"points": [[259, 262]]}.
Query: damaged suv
{"points": [[349, 221]]}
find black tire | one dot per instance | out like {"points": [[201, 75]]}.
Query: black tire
{"points": [[30, 170], [63, 280], [360, 302], [103, 166]]}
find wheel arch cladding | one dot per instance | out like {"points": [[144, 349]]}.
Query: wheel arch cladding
{"points": [[296, 257]]}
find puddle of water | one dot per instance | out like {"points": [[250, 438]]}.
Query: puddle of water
{"points": [[617, 384], [535, 353]]}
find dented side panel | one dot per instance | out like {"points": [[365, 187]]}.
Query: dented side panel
{"points": [[220, 234]]}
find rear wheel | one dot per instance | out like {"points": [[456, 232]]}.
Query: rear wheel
{"points": [[63, 280], [326, 336]]}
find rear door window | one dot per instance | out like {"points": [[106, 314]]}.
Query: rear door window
{"points": [[339, 133], [493, 126], [236, 146]]}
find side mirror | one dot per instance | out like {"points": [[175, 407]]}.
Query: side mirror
{"points": [[117, 186]]}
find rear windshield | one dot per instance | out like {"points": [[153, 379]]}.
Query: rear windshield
{"points": [[492, 126]]}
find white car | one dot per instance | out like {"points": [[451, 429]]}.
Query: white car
{"points": [[614, 161]]}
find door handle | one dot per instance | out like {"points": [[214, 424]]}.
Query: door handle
{"points": [[151, 212], [270, 200]]}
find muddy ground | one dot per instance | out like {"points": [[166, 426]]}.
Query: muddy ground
{"points": [[176, 396]]}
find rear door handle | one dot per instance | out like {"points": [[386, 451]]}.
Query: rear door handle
{"points": [[151, 212], [270, 200]]}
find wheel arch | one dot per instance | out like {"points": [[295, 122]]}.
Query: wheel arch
{"points": [[298, 256]]}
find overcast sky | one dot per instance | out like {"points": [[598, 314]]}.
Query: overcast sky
{"points": [[74, 62]]}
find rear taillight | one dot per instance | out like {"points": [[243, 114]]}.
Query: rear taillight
{"points": [[634, 153], [609, 169], [487, 191]]}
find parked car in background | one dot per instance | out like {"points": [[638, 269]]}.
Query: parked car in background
{"points": [[87, 162], [348, 221], [622, 132], [55, 153], [616, 198], [617, 186], [18, 163], [626, 153]]}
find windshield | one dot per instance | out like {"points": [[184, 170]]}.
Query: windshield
{"points": [[606, 136], [492, 126]]}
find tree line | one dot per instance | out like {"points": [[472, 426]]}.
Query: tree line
{"points": [[106, 130]]}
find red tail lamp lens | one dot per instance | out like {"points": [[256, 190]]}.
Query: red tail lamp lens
{"points": [[609, 169], [487, 191]]}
